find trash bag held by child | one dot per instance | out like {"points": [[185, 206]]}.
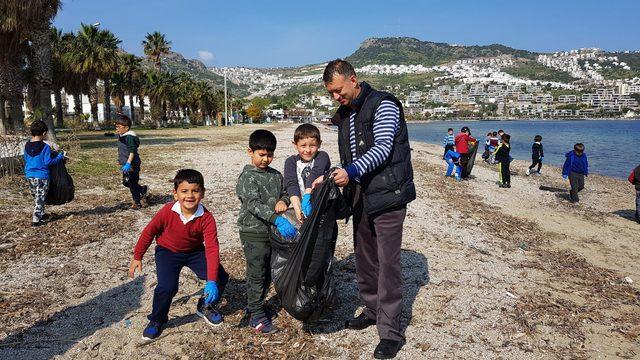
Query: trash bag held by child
{"points": [[301, 268], [61, 188], [467, 160]]}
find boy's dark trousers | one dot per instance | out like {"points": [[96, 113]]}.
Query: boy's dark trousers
{"points": [[168, 266], [576, 181], [132, 181], [447, 148], [536, 162], [638, 205], [378, 240], [257, 253], [505, 173]]}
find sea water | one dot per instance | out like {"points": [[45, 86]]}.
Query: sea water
{"points": [[612, 146]]}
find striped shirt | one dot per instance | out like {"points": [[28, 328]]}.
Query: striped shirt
{"points": [[386, 121], [448, 140]]}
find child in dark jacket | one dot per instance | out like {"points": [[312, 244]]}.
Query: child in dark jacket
{"points": [[37, 160], [634, 178], [537, 153], [575, 168], [129, 159], [503, 159]]}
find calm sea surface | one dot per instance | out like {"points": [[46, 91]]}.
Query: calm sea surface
{"points": [[612, 147]]}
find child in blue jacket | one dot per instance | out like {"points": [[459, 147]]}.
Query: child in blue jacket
{"points": [[576, 167], [37, 160]]}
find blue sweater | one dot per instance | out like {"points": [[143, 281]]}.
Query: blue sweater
{"points": [[576, 164], [37, 159]]}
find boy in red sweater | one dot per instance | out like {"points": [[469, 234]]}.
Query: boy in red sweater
{"points": [[186, 235]]}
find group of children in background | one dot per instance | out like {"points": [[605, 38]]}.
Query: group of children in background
{"points": [[497, 151]]}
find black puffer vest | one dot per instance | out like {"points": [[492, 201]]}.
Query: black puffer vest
{"points": [[391, 184]]}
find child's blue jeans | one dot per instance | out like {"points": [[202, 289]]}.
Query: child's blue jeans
{"points": [[168, 266]]}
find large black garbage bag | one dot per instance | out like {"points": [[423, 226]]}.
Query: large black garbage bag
{"points": [[61, 189], [301, 268], [467, 160]]}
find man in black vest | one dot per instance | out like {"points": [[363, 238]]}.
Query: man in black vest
{"points": [[377, 177]]}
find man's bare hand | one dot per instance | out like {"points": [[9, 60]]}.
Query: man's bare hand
{"points": [[135, 264], [340, 177]]}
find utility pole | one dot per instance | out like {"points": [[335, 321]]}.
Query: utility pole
{"points": [[226, 116]]}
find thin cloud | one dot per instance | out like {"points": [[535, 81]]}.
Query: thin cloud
{"points": [[205, 56]]}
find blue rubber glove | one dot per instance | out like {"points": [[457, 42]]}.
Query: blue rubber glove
{"points": [[285, 228], [210, 292], [126, 167], [565, 177], [306, 205]]}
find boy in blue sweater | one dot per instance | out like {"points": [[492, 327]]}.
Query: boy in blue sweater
{"points": [[37, 160], [448, 142], [575, 168]]}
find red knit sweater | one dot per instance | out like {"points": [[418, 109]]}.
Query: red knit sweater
{"points": [[170, 233]]}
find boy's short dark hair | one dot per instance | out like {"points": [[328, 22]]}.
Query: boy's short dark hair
{"points": [[189, 175], [262, 140], [38, 128], [506, 137], [495, 133], [449, 129], [305, 131], [537, 138], [579, 147], [337, 66], [122, 119], [465, 129], [500, 131]]}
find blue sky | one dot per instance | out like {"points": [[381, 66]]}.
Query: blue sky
{"points": [[292, 33]]}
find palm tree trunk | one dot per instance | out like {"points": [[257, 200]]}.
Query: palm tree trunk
{"points": [[3, 117], [141, 101], [133, 110], [16, 115], [93, 100], [59, 108], [77, 106], [41, 63], [107, 100]]}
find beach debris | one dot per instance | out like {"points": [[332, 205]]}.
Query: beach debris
{"points": [[628, 280], [511, 295], [7, 246]]}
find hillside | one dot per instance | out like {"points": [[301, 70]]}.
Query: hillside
{"points": [[411, 51]]}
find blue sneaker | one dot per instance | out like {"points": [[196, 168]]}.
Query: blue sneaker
{"points": [[263, 325], [152, 331], [209, 313]]}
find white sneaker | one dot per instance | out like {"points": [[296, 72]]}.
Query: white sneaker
{"points": [[528, 172]]}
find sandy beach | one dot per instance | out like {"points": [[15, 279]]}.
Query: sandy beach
{"points": [[489, 273]]}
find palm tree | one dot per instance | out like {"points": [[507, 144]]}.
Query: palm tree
{"points": [[155, 45], [158, 86], [95, 56], [130, 68], [24, 25]]}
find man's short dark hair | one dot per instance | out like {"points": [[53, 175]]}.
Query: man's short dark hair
{"points": [[262, 140], [305, 131], [579, 147], [38, 128], [337, 66], [189, 175], [537, 138], [122, 119]]}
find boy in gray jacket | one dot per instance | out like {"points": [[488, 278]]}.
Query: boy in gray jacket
{"points": [[260, 189]]}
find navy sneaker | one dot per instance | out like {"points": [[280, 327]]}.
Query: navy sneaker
{"points": [[263, 325], [152, 331], [209, 313]]}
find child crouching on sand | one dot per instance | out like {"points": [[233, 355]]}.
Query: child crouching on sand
{"points": [[186, 235]]}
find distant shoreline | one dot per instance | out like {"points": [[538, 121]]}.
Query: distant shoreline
{"points": [[426, 121]]}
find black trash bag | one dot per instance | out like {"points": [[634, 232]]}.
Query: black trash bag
{"points": [[61, 189], [301, 268], [467, 160]]}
